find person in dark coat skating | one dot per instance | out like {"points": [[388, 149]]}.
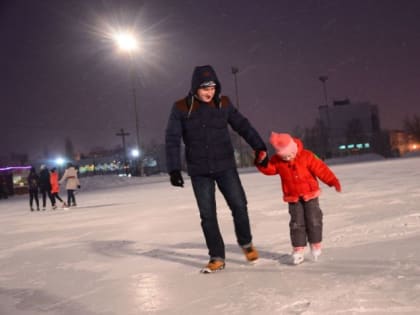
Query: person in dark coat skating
{"points": [[33, 188], [201, 120], [45, 186]]}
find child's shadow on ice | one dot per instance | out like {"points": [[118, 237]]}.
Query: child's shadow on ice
{"points": [[282, 258]]}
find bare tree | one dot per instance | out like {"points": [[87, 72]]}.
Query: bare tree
{"points": [[412, 126], [69, 149]]}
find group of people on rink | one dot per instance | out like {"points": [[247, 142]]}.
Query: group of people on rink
{"points": [[47, 183], [202, 121]]}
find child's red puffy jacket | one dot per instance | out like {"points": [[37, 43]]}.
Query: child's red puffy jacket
{"points": [[55, 186], [299, 176]]}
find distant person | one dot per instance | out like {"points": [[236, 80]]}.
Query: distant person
{"points": [[202, 121], [72, 183], [55, 189], [299, 169], [3, 188], [33, 187], [45, 186]]}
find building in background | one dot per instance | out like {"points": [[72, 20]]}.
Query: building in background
{"points": [[402, 143], [349, 128], [13, 180]]}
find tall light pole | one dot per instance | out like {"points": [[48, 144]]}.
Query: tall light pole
{"points": [[235, 71], [326, 141], [127, 43], [323, 79], [123, 134]]}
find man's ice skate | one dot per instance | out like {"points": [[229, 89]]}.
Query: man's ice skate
{"points": [[213, 266], [316, 251], [297, 256], [251, 253]]}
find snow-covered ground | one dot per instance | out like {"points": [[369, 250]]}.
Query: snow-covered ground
{"points": [[135, 246]]}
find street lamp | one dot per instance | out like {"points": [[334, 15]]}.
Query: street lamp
{"points": [[60, 162], [128, 43], [124, 134], [135, 153], [323, 79], [235, 71], [326, 141]]}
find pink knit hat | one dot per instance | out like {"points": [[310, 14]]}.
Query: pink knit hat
{"points": [[283, 144]]}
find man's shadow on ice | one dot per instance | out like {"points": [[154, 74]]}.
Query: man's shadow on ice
{"points": [[177, 253], [282, 258], [121, 248]]}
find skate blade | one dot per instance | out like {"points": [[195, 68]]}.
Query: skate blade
{"points": [[296, 262], [208, 270], [253, 262]]}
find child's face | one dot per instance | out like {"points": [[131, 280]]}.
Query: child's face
{"points": [[287, 157], [206, 94]]}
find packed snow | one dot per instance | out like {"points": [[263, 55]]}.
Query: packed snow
{"points": [[135, 246]]}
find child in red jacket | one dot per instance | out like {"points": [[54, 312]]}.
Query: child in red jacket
{"points": [[55, 189], [299, 169]]}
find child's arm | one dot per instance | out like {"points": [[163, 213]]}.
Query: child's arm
{"points": [[323, 172], [264, 165]]}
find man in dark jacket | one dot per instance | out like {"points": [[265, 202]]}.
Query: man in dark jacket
{"points": [[45, 186], [201, 120]]}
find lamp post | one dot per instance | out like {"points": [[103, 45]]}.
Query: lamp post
{"points": [[323, 79], [326, 141], [235, 71], [124, 134], [127, 43]]}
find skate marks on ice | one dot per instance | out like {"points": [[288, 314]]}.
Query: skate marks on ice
{"points": [[112, 248], [149, 295], [93, 206], [36, 301], [295, 308]]}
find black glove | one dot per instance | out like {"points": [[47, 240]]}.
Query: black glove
{"points": [[176, 179], [261, 158]]}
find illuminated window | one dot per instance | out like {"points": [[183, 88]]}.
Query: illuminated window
{"points": [[359, 146], [342, 147], [350, 146], [367, 145]]}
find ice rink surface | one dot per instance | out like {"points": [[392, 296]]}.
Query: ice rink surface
{"points": [[135, 246]]}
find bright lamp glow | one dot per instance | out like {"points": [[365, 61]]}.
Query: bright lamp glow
{"points": [[135, 153], [59, 161], [126, 41]]}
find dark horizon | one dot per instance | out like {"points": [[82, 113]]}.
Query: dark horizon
{"points": [[63, 78]]}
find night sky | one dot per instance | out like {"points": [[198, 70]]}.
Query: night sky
{"points": [[61, 75]]}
